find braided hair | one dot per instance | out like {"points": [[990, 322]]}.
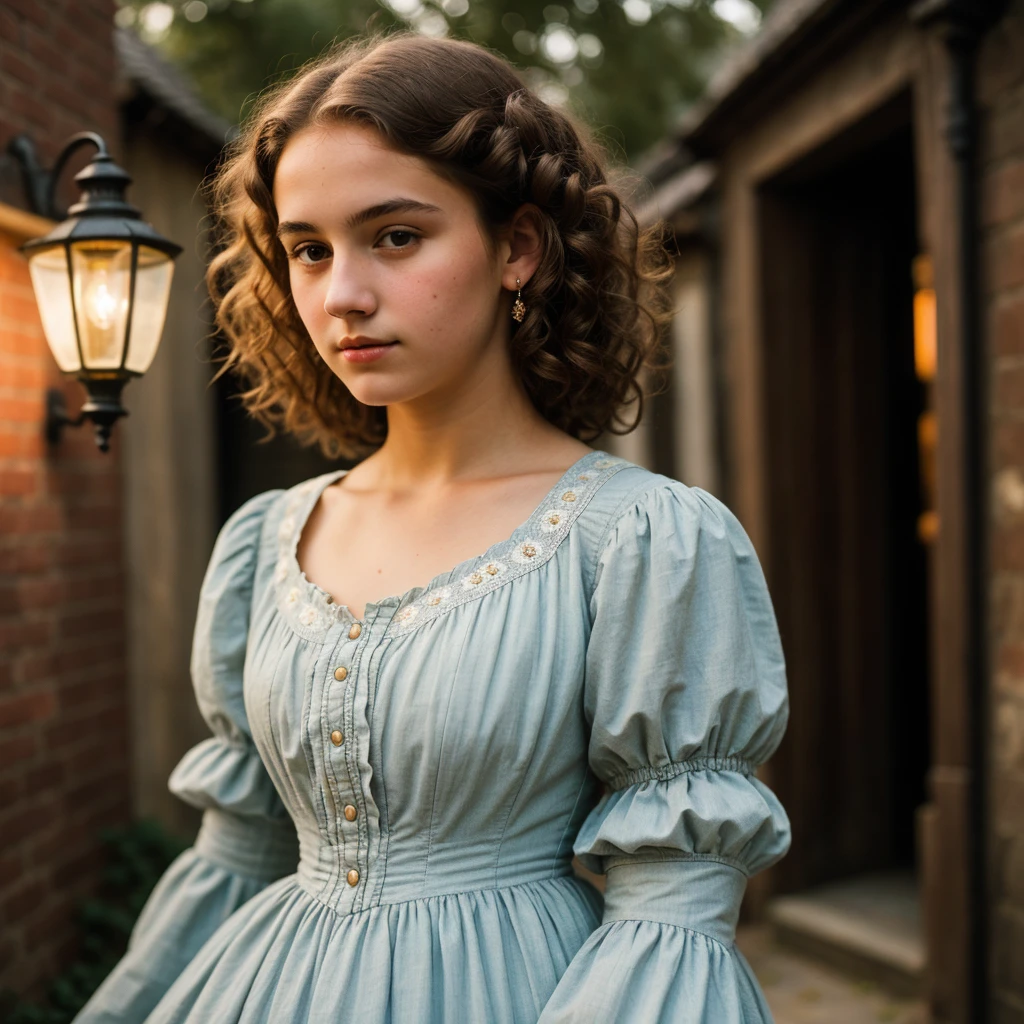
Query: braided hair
{"points": [[595, 304]]}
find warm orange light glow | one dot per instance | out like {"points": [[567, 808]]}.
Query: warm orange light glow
{"points": [[925, 329], [928, 527]]}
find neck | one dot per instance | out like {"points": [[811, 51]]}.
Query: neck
{"points": [[488, 427]]}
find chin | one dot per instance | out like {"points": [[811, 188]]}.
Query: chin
{"points": [[381, 392]]}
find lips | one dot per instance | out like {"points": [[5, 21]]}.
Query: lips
{"points": [[365, 343]]}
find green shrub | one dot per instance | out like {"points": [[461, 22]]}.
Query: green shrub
{"points": [[136, 856]]}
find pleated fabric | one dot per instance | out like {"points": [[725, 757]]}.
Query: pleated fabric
{"points": [[392, 804]]}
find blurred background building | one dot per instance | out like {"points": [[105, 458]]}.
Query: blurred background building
{"points": [[846, 201]]}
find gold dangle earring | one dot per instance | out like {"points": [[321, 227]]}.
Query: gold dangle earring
{"points": [[518, 307]]}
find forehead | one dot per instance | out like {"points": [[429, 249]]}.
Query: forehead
{"points": [[344, 167]]}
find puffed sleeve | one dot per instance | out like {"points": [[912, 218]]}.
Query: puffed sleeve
{"points": [[247, 838], [685, 695]]}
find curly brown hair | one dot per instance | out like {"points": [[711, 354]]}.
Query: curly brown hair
{"points": [[595, 304]]}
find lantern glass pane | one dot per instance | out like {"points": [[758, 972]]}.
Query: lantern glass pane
{"points": [[52, 285], [102, 283], [152, 294]]}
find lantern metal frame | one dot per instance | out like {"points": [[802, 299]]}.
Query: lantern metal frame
{"points": [[100, 215]]}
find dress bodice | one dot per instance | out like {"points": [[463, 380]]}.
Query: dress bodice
{"points": [[456, 740], [392, 804]]}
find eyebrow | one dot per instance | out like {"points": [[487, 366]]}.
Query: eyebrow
{"points": [[397, 205]]}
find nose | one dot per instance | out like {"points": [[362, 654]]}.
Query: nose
{"points": [[349, 292]]}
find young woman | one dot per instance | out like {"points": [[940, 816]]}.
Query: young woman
{"points": [[422, 673]]}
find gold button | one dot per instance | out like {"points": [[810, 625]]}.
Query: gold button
{"points": [[340, 672], [337, 738], [353, 877], [350, 812], [354, 632]]}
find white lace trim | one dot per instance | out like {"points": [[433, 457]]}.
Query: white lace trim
{"points": [[312, 612]]}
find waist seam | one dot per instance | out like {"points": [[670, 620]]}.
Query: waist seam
{"points": [[569, 875]]}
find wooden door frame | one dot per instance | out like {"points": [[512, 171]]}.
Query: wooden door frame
{"points": [[893, 57]]}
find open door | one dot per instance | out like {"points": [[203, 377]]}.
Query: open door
{"points": [[847, 421]]}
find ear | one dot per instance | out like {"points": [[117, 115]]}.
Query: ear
{"points": [[524, 236]]}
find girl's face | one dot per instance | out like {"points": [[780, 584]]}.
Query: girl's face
{"points": [[383, 250]]}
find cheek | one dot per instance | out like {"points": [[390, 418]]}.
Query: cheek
{"points": [[308, 296], [454, 289]]}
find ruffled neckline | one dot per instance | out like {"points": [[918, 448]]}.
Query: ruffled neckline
{"points": [[312, 611]]}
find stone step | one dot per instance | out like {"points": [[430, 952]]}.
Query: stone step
{"points": [[868, 926]]}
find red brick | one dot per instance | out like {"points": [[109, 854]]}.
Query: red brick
{"points": [[40, 46], [26, 558], [44, 926], [12, 787], [34, 668], [71, 655], [17, 751], [18, 519], [79, 738], [60, 532], [31, 11], [12, 64], [11, 30], [22, 445], [85, 623], [24, 822], [22, 635], [11, 869], [18, 481], [24, 899], [72, 554], [48, 847], [41, 593], [25, 375], [71, 869], [28, 707], [22, 410], [16, 340], [81, 695]]}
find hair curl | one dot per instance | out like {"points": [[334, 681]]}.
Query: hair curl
{"points": [[594, 305]]}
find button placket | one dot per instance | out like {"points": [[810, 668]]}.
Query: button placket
{"points": [[367, 634], [350, 846], [338, 675]]}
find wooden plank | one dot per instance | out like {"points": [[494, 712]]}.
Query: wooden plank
{"points": [[22, 225]]}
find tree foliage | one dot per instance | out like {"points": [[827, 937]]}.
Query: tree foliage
{"points": [[628, 67]]}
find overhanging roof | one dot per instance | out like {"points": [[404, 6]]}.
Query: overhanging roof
{"points": [[147, 70]]}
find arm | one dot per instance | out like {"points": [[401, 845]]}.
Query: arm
{"points": [[247, 839], [686, 695]]}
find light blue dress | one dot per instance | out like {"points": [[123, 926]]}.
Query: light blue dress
{"points": [[443, 757]]}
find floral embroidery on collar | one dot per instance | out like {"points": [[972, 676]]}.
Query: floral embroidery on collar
{"points": [[312, 612]]}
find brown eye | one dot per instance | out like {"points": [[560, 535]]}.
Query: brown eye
{"points": [[399, 239], [310, 253]]}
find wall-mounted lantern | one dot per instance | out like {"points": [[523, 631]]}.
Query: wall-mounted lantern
{"points": [[102, 280]]}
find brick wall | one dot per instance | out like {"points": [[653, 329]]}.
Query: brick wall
{"points": [[1001, 93], [63, 721]]}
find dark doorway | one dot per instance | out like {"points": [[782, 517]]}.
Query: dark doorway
{"points": [[849, 558], [248, 465]]}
